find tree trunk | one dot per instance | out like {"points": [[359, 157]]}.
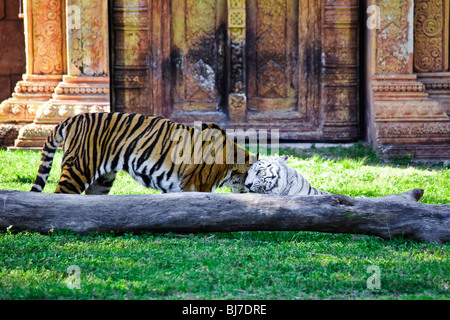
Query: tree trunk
{"points": [[211, 212]]}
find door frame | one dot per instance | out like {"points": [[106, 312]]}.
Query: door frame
{"points": [[328, 96]]}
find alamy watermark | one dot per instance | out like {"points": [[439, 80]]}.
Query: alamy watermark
{"points": [[210, 145], [74, 279], [374, 20], [73, 17], [374, 281]]}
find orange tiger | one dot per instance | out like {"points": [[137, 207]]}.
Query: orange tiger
{"points": [[156, 152]]}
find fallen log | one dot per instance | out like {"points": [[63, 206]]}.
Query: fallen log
{"points": [[210, 212]]}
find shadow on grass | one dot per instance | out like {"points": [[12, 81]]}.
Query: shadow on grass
{"points": [[22, 179], [359, 151]]}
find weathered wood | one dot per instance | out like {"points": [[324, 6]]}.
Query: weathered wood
{"points": [[211, 212]]}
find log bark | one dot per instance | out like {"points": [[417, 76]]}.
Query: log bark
{"points": [[210, 212]]}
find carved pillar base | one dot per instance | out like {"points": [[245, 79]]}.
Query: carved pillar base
{"points": [[74, 95], [29, 94], [437, 85], [407, 120]]}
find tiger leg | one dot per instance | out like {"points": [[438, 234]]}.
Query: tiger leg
{"points": [[102, 185], [70, 181]]}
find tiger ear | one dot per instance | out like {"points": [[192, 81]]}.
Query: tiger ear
{"points": [[254, 158], [239, 168], [284, 159]]}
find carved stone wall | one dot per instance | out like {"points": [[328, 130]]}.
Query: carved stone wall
{"points": [[394, 42], [431, 48], [275, 64], [431, 45], [406, 116], [48, 37], [45, 57], [81, 81]]}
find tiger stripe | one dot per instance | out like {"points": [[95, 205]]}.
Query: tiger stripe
{"points": [[97, 145]]}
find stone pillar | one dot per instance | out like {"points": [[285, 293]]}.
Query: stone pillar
{"points": [[45, 62], [405, 120], [431, 48], [237, 101], [85, 88], [340, 70]]}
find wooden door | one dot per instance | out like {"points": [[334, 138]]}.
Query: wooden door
{"points": [[289, 65], [282, 82], [197, 57]]}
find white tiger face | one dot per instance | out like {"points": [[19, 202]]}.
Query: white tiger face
{"points": [[263, 176]]}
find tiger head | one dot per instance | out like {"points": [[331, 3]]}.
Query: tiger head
{"points": [[238, 174], [264, 175], [225, 163]]}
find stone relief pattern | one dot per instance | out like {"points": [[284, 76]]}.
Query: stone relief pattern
{"points": [[428, 35], [48, 37], [392, 39], [236, 30], [87, 47]]}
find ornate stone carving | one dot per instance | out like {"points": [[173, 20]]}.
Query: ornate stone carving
{"points": [[237, 71], [236, 33], [86, 88], [33, 136], [88, 45], [399, 85], [17, 112], [51, 113], [437, 85], [406, 116], [75, 95], [403, 98], [431, 23], [396, 88], [45, 61], [409, 111], [413, 132], [237, 103], [236, 19], [48, 55], [394, 45]]}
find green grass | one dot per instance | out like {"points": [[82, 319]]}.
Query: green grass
{"points": [[240, 265]]}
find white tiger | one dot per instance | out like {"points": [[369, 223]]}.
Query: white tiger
{"points": [[274, 176]]}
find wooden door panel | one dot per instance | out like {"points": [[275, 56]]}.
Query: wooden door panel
{"points": [[272, 55], [197, 54]]}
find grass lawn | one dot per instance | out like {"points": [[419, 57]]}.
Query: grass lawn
{"points": [[241, 265]]}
